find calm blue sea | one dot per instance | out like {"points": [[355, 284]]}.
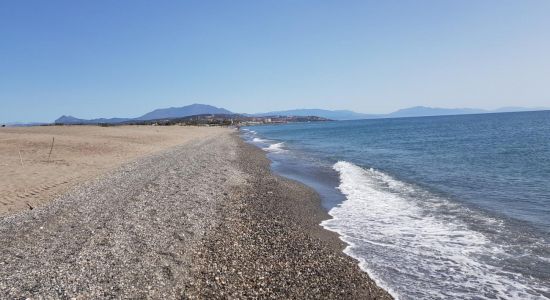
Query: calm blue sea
{"points": [[450, 207]]}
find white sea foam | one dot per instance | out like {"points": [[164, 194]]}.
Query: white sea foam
{"points": [[277, 148], [259, 140], [414, 252]]}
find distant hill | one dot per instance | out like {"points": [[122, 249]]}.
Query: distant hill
{"points": [[203, 109], [419, 111], [185, 111], [423, 111], [416, 111], [163, 113], [518, 109], [323, 113], [72, 120]]}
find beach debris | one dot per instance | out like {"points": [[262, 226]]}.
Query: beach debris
{"points": [[20, 158], [51, 148], [30, 206]]}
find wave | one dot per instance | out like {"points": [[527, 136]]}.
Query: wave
{"points": [[413, 244], [259, 140], [277, 148]]}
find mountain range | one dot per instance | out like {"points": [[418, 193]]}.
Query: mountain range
{"points": [[179, 112], [329, 114], [202, 109], [417, 111], [157, 114]]}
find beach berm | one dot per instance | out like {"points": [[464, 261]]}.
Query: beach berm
{"points": [[202, 219]]}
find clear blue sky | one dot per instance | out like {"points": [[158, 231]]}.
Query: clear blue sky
{"points": [[124, 58]]}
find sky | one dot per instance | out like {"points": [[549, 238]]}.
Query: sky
{"points": [[124, 58]]}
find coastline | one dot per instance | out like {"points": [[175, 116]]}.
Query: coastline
{"points": [[205, 219], [276, 240], [408, 218]]}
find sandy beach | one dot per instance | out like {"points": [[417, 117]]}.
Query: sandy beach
{"points": [[196, 215], [31, 176]]}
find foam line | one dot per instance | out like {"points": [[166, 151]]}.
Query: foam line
{"points": [[401, 238], [277, 148]]}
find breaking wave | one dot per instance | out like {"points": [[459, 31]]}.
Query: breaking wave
{"points": [[277, 147], [416, 245]]}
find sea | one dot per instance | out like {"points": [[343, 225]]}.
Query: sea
{"points": [[446, 207]]}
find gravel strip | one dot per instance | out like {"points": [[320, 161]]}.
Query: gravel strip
{"points": [[130, 234], [270, 244], [206, 219]]}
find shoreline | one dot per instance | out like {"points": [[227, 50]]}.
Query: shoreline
{"points": [[205, 219], [406, 230], [278, 232], [322, 179], [325, 185]]}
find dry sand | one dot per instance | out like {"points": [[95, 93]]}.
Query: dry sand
{"points": [[28, 178]]}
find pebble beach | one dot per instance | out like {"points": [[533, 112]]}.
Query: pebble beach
{"points": [[204, 219]]}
